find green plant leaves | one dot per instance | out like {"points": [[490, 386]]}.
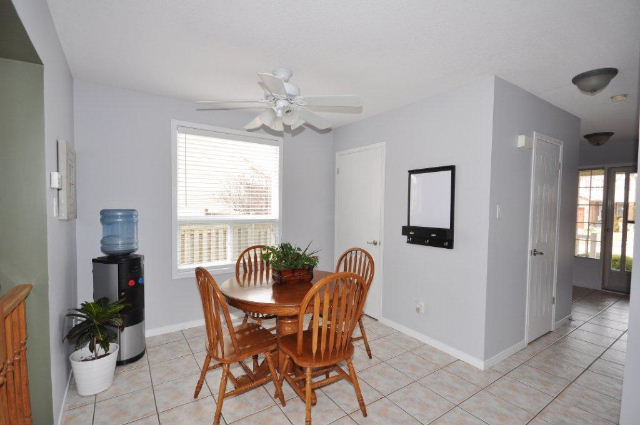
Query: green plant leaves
{"points": [[96, 325], [286, 257]]}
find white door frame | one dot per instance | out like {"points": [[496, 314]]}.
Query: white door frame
{"points": [[559, 143], [379, 266]]}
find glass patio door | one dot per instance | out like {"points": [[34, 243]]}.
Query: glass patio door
{"points": [[621, 211]]}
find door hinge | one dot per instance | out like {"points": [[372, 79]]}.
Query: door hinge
{"points": [[337, 171], [559, 165], [553, 300]]}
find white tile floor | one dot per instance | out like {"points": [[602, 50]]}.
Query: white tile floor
{"points": [[570, 376]]}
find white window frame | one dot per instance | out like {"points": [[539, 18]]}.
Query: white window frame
{"points": [[604, 212], [181, 273]]}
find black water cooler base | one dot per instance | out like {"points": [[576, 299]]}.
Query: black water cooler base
{"points": [[117, 277]]}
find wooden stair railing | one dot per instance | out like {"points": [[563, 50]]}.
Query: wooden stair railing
{"points": [[15, 405]]}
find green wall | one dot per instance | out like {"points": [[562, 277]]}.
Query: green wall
{"points": [[23, 241]]}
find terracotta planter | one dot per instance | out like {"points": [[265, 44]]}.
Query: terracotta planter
{"points": [[292, 275]]}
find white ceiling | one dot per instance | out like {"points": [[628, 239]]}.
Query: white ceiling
{"points": [[389, 52]]}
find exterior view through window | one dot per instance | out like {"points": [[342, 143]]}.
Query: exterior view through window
{"points": [[227, 195], [590, 213], [623, 225]]}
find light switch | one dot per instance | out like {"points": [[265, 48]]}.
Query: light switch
{"points": [[55, 180]]}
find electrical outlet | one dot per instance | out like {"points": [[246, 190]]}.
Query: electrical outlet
{"points": [[420, 307]]}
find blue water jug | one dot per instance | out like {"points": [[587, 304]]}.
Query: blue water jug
{"points": [[119, 231]]}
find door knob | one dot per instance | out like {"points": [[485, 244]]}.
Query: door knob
{"points": [[374, 243], [535, 252]]}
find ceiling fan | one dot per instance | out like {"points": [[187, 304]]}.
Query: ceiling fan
{"points": [[283, 104]]}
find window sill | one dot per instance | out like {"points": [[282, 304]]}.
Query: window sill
{"points": [[215, 271]]}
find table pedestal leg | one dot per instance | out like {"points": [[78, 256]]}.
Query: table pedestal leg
{"points": [[287, 325]]}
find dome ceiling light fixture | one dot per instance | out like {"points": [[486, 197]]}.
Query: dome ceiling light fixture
{"points": [[592, 82], [598, 139]]}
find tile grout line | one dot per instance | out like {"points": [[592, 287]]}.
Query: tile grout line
{"points": [[153, 388], [585, 369], [539, 352], [442, 367], [95, 405]]}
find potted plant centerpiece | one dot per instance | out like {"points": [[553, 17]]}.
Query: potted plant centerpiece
{"points": [[289, 263], [94, 361]]}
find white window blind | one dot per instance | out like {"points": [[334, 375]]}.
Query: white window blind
{"points": [[227, 194]]}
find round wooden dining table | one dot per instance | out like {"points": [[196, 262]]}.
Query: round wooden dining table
{"points": [[258, 293]]}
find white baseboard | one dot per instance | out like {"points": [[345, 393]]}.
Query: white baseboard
{"points": [[181, 326], [173, 328], [504, 354], [64, 399], [467, 358], [562, 321]]}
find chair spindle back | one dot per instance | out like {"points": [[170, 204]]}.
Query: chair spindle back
{"points": [[216, 314], [250, 261], [340, 299], [358, 261]]}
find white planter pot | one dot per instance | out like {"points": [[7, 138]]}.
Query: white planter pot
{"points": [[93, 376]]}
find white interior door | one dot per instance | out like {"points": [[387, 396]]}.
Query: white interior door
{"points": [[359, 208], [543, 235]]}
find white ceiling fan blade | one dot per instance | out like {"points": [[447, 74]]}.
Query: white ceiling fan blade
{"points": [[277, 125], [314, 119], [255, 123], [331, 101], [297, 124], [212, 105], [265, 118], [336, 109], [274, 84]]}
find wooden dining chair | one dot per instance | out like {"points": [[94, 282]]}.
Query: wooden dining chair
{"points": [[358, 261], [227, 344], [340, 298], [251, 263]]}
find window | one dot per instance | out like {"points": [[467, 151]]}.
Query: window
{"points": [[227, 192], [589, 218]]}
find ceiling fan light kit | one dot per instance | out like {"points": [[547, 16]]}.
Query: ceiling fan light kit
{"points": [[598, 139], [594, 81], [284, 106]]}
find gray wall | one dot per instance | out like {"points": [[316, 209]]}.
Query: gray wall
{"points": [[58, 124], [23, 245], [630, 410], [613, 152], [124, 161], [518, 112], [587, 272], [452, 128]]}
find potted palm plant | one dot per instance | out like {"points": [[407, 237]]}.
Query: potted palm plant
{"points": [[94, 361], [289, 263]]}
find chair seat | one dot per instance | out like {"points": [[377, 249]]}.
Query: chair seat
{"points": [[252, 339], [289, 344]]}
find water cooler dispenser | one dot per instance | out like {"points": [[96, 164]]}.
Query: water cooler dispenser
{"points": [[120, 274]]}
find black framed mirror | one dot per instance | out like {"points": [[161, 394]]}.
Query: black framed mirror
{"points": [[430, 206]]}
